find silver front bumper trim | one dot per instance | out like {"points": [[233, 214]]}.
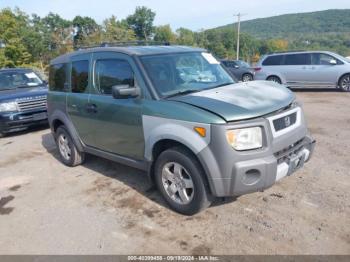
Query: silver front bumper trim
{"points": [[285, 168]]}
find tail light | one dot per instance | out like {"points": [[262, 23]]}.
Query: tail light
{"points": [[256, 69]]}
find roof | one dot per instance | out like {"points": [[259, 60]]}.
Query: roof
{"points": [[130, 50], [15, 69], [299, 52]]}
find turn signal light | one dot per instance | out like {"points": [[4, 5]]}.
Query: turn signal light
{"points": [[201, 131]]}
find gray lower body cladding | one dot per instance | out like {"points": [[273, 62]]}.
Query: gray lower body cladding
{"points": [[234, 173]]}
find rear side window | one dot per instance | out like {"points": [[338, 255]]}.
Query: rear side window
{"points": [[80, 76], [111, 72], [57, 77], [229, 64], [273, 60], [298, 59]]}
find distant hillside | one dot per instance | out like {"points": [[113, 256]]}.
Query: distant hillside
{"points": [[290, 25]]}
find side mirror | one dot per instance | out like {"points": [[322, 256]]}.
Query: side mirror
{"points": [[236, 66], [125, 91], [333, 62]]}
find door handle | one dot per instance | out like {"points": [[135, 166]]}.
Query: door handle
{"points": [[91, 108]]}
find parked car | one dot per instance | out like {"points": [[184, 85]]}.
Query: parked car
{"points": [[305, 69], [240, 69], [197, 139], [22, 99]]}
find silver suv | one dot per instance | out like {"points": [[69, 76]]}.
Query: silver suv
{"points": [[305, 69]]}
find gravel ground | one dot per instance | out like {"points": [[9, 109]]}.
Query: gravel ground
{"points": [[105, 208]]}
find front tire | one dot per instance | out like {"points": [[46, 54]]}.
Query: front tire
{"points": [[69, 153], [247, 77], [178, 176], [344, 83], [275, 79]]}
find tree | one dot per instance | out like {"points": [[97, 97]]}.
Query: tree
{"points": [[142, 22], [114, 30], [111, 30], [84, 27], [60, 34], [185, 37], [34, 41], [164, 33], [13, 26], [273, 45]]}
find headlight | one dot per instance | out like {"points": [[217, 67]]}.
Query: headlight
{"points": [[245, 138], [8, 107]]}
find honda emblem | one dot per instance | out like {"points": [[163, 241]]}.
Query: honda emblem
{"points": [[287, 121]]}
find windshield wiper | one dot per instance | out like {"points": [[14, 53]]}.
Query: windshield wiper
{"points": [[183, 92], [224, 84], [27, 86], [3, 89]]}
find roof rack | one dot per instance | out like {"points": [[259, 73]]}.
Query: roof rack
{"points": [[285, 52], [126, 43]]}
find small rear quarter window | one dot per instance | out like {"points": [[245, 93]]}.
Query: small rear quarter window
{"points": [[57, 77], [80, 76]]}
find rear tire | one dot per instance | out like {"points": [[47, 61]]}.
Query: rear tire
{"points": [[247, 77], [344, 83], [275, 79], [69, 153], [178, 176]]}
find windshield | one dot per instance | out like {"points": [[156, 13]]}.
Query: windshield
{"points": [[13, 79], [173, 74]]}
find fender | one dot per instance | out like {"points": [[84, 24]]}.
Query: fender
{"points": [[279, 75], [61, 116], [158, 128], [340, 77]]}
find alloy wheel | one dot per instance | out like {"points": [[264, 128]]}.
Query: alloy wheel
{"points": [[177, 183], [345, 83], [64, 147], [274, 79], [247, 78]]}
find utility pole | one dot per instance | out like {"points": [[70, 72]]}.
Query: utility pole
{"points": [[239, 15]]}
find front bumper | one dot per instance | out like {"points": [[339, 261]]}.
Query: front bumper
{"points": [[233, 173], [259, 174], [16, 121]]}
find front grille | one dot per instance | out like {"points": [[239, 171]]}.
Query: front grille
{"points": [[285, 153], [285, 121], [32, 103]]}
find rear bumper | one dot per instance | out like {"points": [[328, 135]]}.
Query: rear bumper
{"points": [[16, 121], [260, 76]]}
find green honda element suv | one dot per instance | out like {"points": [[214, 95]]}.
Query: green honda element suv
{"points": [[176, 113]]}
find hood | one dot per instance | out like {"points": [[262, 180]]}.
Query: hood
{"points": [[13, 94], [242, 100]]}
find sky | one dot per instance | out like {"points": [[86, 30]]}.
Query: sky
{"points": [[192, 14]]}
